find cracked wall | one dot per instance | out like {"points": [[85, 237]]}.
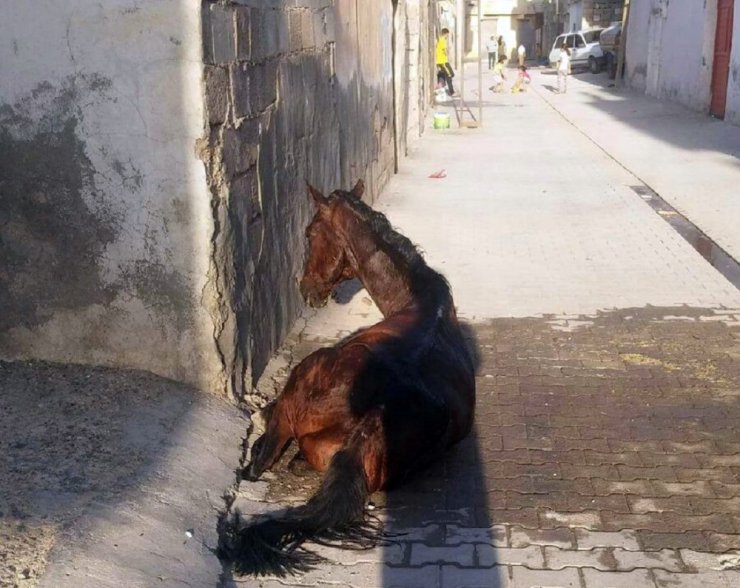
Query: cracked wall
{"points": [[296, 91], [105, 217], [153, 160]]}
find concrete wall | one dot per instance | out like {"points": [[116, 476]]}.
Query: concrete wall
{"points": [[732, 114], [670, 47], [105, 219]]}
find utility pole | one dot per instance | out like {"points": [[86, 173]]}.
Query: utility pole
{"points": [[622, 43]]}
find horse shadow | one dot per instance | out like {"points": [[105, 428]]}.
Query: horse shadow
{"points": [[439, 519]]}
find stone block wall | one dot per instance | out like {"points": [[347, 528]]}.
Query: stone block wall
{"points": [[296, 91]]}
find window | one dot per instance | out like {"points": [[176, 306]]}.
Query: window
{"points": [[579, 41]]}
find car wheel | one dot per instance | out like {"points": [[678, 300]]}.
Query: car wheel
{"points": [[593, 65]]}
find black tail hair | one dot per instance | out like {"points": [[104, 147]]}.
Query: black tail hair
{"points": [[335, 515]]}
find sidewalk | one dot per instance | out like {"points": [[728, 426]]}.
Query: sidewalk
{"points": [[605, 451], [688, 158]]}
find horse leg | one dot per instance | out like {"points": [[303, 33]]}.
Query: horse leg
{"points": [[268, 448], [319, 447]]}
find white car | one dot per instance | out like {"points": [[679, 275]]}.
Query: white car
{"points": [[585, 50]]}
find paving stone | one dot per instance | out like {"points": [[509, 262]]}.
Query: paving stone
{"points": [[625, 539], [424, 577], [526, 556], [665, 559], [369, 575], [526, 578], [634, 579], [560, 537], [393, 554], [433, 534], [495, 535], [599, 558], [698, 561], [652, 540], [496, 577], [588, 520], [701, 580], [462, 554]]}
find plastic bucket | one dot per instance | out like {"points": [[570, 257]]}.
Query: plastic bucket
{"points": [[441, 120]]}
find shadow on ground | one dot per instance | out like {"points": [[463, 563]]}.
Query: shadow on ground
{"points": [[95, 476], [666, 121]]}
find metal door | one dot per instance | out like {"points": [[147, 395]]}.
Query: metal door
{"points": [[721, 65]]}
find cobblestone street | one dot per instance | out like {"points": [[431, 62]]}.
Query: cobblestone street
{"points": [[606, 452]]}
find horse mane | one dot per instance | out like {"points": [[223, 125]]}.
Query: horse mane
{"points": [[427, 283]]}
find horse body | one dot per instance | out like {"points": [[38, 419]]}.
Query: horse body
{"points": [[380, 404]]}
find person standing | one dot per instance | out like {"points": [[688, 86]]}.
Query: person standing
{"points": [[491, 48], [444, 70], [563, 69], [501, 48], [521, 53]]}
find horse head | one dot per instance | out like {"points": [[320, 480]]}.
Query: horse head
{"points": [[327, 264]]}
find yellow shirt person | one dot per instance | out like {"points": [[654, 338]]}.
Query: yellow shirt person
{"points": [[444, 71], [442, 57]]}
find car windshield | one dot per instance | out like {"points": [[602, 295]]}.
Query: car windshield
{"points": [[592, 36], [558, 42]]}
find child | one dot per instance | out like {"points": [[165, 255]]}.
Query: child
{"points": [[522, 80], [563, 69], [498, 75]]}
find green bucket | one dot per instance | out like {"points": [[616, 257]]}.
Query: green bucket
{"points": [[441, 120]]}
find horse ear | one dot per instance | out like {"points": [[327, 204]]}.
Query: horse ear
{"points": [[318, 198], [359, 189]]}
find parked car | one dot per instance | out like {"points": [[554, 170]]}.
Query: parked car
{"points": [[585, 50]]}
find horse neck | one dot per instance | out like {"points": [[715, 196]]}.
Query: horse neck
{"points": [[386, 280]]}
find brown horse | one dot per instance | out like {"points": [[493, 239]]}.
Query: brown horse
{"points": [[368, 411]]}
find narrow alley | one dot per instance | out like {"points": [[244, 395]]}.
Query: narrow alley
{"points": [[605, 451], [157, 253]]}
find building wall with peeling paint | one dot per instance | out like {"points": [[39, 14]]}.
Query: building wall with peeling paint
{"points": [[105, 219], [153, 160]]}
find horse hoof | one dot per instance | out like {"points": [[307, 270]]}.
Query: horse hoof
{"points": [[249, 474]]}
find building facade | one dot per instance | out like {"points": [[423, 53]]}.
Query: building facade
{"points": [[589, 14], [684, 52], [533, 23]]}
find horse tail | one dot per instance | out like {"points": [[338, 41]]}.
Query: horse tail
{"points": [[335, 515]]}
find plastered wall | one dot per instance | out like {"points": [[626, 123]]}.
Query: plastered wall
{"points": [[105, 221], [670, 50]]}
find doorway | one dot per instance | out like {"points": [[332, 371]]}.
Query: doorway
{"points": [[721, 65]]}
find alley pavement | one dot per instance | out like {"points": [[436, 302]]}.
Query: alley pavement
{"points": [[606, 451]]}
